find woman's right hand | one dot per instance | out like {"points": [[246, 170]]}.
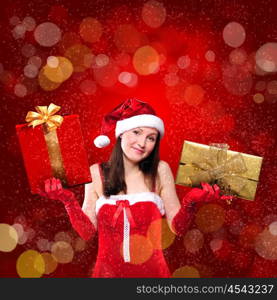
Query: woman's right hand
{"points": [[53, 190]]}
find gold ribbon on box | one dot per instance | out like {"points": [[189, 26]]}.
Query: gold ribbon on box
{"points": [[46, 116], [216, 168]]}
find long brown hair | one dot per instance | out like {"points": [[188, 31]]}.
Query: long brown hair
{"points": [[114, 173]]}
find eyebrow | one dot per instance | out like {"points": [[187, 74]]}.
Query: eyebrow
{"points": [[155, 133]]}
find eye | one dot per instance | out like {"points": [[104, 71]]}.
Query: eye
{"points": [[152, 139]]}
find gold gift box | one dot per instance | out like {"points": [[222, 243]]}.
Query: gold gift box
{"points": [[236, 173]]}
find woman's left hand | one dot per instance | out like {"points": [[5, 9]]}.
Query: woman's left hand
{"points": [[207, 193], [213, 191]]}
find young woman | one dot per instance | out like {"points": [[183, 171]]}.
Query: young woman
{"points": [[129, 195]]}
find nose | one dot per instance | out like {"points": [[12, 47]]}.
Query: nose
{"points": [[141, 142]]}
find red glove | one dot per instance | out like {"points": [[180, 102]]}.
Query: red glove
{"points": [[79, 220], [183, 218]]}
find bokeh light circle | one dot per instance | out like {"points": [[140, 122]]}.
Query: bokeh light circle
{"points": [[45, 83], [171, 79], [35, 60], [52, 61], [62, 251], [248, 235], [258, 98], [19, 229], [210, 56], [273, 228], [234, 34], [153, 13], [266, 57], [193, 240], [14, 20], [107, 76], [20, 90], [237, 56], [43, 244], [88, 87], [266, 245], [127, 38], [50, 262], [60, 73], [101, 60], [30, 71], [79, 244], [124, 77], [19, 31], [91, 30], [210, 217], [63, 236], [9, 237], [47, 34], [29, 23], [272, 87], [216, 244], [30, 264], [28, 50], [183, 62], [194, 94], [260, 85], [146, 60], [186, 272], [141, 249], [77, 55], [160, 234]]}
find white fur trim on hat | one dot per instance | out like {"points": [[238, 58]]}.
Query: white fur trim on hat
{"points": [[144, 120], [101, 141]]}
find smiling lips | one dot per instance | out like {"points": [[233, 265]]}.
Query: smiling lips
{"points": [[138, 150]]}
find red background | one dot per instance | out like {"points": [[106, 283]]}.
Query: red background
{"points": [[191, 27]]}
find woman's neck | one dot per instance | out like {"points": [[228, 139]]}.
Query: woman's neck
{"points": [[130, 167]]}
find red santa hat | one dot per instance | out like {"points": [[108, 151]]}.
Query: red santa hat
{"points": [[130, 114]]}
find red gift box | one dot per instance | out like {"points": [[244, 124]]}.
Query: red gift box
{"points": [[57, 152]]}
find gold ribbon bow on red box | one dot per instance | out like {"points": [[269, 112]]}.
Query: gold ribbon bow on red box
{"points": [[45, 115]]}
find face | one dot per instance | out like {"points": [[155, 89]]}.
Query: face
{"points": [[138, 143]]}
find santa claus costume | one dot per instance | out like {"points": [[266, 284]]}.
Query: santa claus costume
{"points": [[129, 225]]}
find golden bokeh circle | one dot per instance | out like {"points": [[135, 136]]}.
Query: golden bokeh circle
{"points": [[146, 60], [141, 249], [61, 72], [30, 264], [186, 272], [9, 238], [160, 234], [77, 55], [210, 217], [45, 83], [50, 262]]}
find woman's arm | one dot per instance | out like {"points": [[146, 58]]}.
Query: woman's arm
{"points": [[91, 195], [168, 192], [179, 215], [83, 219]]}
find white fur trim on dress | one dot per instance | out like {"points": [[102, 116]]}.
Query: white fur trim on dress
{"points": [[144, 120]]}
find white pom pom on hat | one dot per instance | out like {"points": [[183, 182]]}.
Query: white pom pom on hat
{"points": [[130, 114], [101, 141]]}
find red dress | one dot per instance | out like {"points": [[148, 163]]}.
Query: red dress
{"points": [[129, 236]]}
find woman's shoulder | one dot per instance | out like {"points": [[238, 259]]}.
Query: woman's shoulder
{"points": [[163, 166], [94, 170]]}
